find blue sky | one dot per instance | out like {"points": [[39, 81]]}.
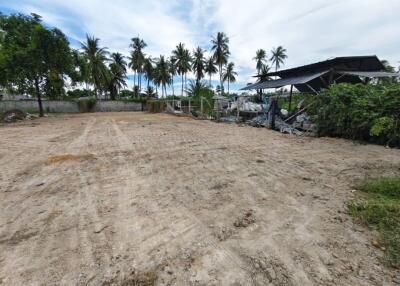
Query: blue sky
{"points": [[311, 30]]}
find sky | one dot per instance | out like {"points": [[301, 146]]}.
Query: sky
{"points": [[312, 30]]}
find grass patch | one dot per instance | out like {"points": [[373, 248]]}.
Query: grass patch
{"points": [[379, 209]]}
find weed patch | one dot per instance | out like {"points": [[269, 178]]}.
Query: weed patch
{"points": [[379, 208]]}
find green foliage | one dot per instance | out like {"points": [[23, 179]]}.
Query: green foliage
{"points": [[77, 93], [155, 106], [381, 210], [87, 104], [361, 112], [33, 58]]}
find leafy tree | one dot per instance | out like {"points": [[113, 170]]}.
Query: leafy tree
{"points": [[278, 57], [33, 58], [229, 74], [96, 58], [220, 47], [210, 68], [198, 64]]}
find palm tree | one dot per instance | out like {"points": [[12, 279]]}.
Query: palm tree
{"points": [[162, 74], [96, 58], [261, 59], [229, 74], [221, 52], [263, 74], [172, 71], [182, 59], [148, 70], [210, 68], [117, 74], [278, 57], [137, 58], [198, 64]]}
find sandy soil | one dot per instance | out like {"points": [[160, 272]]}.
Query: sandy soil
{"points": [[137, 199]]}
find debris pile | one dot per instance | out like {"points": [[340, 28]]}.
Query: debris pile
{"points": [[15, 115]]}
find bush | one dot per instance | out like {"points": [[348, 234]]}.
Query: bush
{"points": [[77, 93], [381, 210], [361, 112], [86, 104]]}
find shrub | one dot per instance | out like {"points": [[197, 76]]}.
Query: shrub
{"points": [[86, 104], [361, 112]]}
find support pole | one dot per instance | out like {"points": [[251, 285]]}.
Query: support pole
{"points": [[290, 98]]}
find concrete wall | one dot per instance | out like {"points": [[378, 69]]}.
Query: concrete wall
{"points": [[67, 106], [117, 106]]}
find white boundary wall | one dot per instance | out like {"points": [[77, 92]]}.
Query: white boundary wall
{"points": [[59, 106]]}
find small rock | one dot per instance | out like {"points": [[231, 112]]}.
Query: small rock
{"points": [[376, 243]]}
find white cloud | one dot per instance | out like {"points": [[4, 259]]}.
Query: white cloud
{"points": [[311, 30]]}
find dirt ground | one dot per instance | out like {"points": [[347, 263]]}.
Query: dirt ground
{"points": [[137, 199]]}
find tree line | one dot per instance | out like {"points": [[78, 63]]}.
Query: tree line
{"points": [[38, 60]]}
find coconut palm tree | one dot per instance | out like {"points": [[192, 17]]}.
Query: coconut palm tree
{"points": [[210, 68], [278, 57], [182, 58], [261, 59], [229, 74], [198, 64], [148, 70], [220, 47], [137, 58], [117, 74], [163, 75], [96, 58], [263, 74], [172, 71]]}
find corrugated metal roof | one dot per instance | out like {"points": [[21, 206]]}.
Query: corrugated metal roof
{"points": [[354, 63], [375, 74], [285, 81]]}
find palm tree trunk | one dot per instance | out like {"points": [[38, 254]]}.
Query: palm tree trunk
{"points": [[173, 89], [220, 78], [182, 85], [210, 80], [228, 85], [185, 85]]}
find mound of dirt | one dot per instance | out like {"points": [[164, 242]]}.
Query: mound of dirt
{"points": [[245, 220]]}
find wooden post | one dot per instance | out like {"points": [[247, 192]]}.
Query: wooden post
{"points": [[290, 98], [189, 105]]}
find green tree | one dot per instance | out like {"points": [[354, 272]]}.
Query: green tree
{"points": [[278, 57], [210, 68], [220, 47], [96, 58], [229, 74], [33, 59], [198, 64]]}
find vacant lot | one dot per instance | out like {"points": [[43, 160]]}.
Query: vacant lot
{"points": [[125, 198]]}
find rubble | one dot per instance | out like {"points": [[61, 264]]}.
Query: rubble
{"points": [[15, 115]]}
